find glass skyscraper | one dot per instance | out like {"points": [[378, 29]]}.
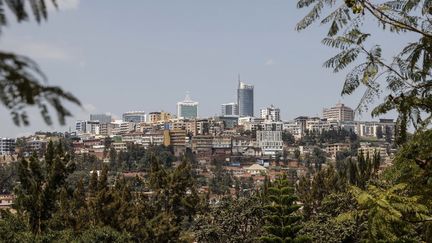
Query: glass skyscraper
{"points": [[245, 99]]}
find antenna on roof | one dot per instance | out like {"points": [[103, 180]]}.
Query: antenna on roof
{"points": [[187, 98]]}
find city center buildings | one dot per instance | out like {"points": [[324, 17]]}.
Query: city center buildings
{"points": [[187, 109], [245, 99]]}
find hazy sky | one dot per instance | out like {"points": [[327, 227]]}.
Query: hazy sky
{"points": [[117, 56]]}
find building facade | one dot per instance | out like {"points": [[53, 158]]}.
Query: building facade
{"points": [[187, 109], [7, 146], [245, 99], [102, 118], [134, 116], [270, 142], [92, 127], [229, 109], [270, 113], [340, 112]]}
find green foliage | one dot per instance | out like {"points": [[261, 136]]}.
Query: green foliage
{"points": [[389, 213], [405, 78], [231, 220], [8, 177], [324, 228], [222, 180], [288, 138], [103, 234], [40, 184], [22, 83], [281, 220], [328, 137]]}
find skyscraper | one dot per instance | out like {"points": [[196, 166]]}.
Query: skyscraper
{"points": [[245, 99], [229, 109], [187, 109]]}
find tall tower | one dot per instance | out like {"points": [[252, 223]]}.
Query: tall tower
{"points": [[245, 99]]}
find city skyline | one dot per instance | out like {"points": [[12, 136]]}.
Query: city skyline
{"points": [[151, 64]]}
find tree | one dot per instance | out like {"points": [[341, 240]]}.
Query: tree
{"points": [[282, 224], [8, 177], [288, 138], [406, 75], [388, 212], [22, 82], [297, 154], [231, 220], [39, 187], [318, 158]]}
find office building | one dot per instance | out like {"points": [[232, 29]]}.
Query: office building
{"points": [[102, 118], [187, 109], [270, 142], [229, 109], [92, 127], [340, 112], [134, 116], [245, 99]]}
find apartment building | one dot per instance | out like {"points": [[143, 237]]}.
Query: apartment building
{"points": [[7, 146], [270, 113], [270, 142]]}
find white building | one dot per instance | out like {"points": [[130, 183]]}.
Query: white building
{"points": [[91, 127], [318, 125], [270, 142], [340, 112], [294, 127], [380, 129], [229, 109], [187, 109], [134, 116], [270, 113], [270, 126]]}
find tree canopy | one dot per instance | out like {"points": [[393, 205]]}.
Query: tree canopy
{"points": [[404, 79]]}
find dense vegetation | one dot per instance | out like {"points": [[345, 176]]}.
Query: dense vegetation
{"points": [[354, 200]]}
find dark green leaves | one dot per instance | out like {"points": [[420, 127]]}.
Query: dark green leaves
{"points": [[22, 83]]}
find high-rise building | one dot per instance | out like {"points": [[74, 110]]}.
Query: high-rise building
{"points": [[102, 118], [245, 99], [134, 116], [340, 112], [229, 109], [270, 113], [187, 109]]}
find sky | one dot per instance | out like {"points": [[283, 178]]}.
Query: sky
{"points": [[119, 56]]}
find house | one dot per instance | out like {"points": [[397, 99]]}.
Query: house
{"points": [[6, 201], [256, 169]]}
